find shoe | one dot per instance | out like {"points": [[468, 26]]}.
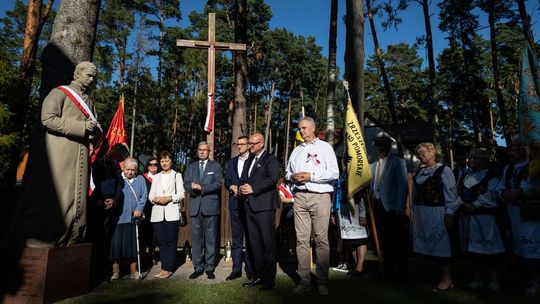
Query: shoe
{"points": [[301, 289], [163, 275], [494, 285], [195, 275], [234, 276], [476, 284], [253, 283], [135, 276], [323, 290], [339, 267], [210, 275], [266, 287], [115, 276], [437, 288]]}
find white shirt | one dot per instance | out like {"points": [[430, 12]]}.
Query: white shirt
{"points": [[241, 160], [317, 158], [379, 169]]}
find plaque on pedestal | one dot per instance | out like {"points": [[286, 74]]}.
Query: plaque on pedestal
{"points": [[52, 274]]}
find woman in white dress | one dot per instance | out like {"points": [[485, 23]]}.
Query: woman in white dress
{"points": [[479, 234], [435, 201]]}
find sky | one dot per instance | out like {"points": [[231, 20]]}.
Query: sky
{"points": [[312, 18]]}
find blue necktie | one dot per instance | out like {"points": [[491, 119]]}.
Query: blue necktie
{"points": [[201, 171]]}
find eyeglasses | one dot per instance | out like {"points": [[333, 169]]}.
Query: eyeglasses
{"points": [[242, 144], [153, 164], [254, 143]]}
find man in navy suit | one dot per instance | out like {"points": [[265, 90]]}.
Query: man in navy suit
{"points": [[258, 189], [203, 183], [389, 190], [236, 209]]}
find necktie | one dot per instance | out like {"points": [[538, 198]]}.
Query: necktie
{"points": [[253, 165], [201, 171], [378, 180]]}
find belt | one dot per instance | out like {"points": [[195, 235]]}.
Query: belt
{"points": [[307, 191]]}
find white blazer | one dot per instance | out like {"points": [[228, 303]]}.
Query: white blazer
{"points": [[170, 184]]}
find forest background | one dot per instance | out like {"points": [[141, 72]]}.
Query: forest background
{"points": [[459, 83]]}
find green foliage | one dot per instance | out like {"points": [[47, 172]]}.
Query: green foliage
{"points": [[408, 81]]}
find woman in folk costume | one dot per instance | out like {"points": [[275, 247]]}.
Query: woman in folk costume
{"points": [[124, 239], [166, 194], [478, 231], [435, 201], [519, 191]]}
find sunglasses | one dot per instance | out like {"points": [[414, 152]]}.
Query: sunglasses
{"points": [[152, 164]]}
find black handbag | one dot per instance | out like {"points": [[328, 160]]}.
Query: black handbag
{"points": [[183, 215]]}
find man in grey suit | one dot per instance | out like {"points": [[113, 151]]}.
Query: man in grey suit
{"points": [[203, 183], [389, 190]]}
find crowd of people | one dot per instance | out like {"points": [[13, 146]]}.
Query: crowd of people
{"points": [[450, 213]]}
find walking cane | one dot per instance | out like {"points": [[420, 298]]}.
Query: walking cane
{"points": [[137, 221]]}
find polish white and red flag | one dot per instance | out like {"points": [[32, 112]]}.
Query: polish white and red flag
{"points": [[209, 123]]}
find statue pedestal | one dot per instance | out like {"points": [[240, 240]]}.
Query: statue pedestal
{"points": [[52, 274]]}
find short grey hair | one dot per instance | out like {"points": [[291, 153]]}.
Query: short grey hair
{"points": [[202, 143], [310, 120], [130, 160], [85, 65]]}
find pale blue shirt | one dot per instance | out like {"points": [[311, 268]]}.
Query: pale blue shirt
{"points": [[317, 158]]}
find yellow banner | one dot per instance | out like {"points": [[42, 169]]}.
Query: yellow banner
{"points": [[358, 172]]}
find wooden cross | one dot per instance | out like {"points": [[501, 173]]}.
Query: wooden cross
{"points": [[212, 45]]}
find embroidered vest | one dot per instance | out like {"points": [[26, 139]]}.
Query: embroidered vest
{"points": [[431, 192]]}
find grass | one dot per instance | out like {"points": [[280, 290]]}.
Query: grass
{"points": [[343, 290]]}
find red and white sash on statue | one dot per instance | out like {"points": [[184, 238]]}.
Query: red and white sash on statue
{"points": [[209, 122], [79, 102]]}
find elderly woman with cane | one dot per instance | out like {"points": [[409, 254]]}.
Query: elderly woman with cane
{"points": [[124, 240]]}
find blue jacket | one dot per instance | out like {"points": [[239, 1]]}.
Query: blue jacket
{"points": [[393, 184], [132, 203]]}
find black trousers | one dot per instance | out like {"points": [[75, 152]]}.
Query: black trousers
{"points": [[262, 236], [394, 231]]}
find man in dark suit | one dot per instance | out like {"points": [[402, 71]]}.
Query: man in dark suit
{"points": [[203, 183], [258, 189], [236, 209]]}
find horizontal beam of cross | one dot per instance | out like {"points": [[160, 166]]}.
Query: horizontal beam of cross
{"points": [[206, 44]]}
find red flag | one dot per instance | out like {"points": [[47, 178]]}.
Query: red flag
{"points": [[209, 123], [117, 132]]}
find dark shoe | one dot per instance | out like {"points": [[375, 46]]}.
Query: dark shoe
{"points": [[234, 276], [210, 275], [195, 275], [266, 287], [249, 275], [253, 283]]}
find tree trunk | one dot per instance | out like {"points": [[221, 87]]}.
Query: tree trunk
{"points": [[433, 110], [269, 115], [157, 114], [526, 23], [331, 86], [354, 54], [72, 41], [386, 82], [240, 75], [496, 74]]}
